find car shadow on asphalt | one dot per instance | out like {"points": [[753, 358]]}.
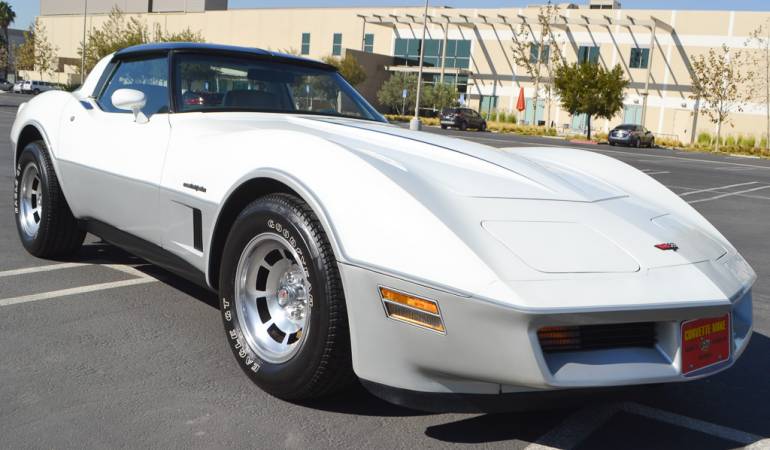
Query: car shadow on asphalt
{"points": [[737, 400]]}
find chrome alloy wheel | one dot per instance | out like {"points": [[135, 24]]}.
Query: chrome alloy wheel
{"points": [[31, 200], [272, 298]]}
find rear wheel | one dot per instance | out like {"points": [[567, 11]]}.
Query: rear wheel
{"points": [[443, 127], [43, 218], [638, 143], [36, 91], [652, 143], [463, 126], [282, 301], [483, 126]]}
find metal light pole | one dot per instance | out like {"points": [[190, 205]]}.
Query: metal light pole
{"points": [[415, 123], [83, 58]]}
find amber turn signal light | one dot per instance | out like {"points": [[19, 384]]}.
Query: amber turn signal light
{"points": [[413, 310]]}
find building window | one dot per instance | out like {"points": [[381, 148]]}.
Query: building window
{"points": [[534, 50], [305, 44], [458, 52], [639, 58], [337, 44], [369, 43], [588, 54]]}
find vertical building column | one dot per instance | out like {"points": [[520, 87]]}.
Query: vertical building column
{"points": [[445, 28], [649, 71]]}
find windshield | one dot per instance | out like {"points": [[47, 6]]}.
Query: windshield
{"points": [[626, 127], [227, 83]]}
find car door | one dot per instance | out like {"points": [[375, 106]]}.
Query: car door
{"points": [[112, 163]]}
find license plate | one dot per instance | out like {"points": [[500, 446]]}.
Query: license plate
{"points": [[705, 342]]}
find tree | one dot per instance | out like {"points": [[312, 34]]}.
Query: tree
{"points": [[590, 89], [36, 53], [348, 67], [717, 82], [391, 92], [441, 95], [535, 52], [119, 32], [760, 60], [7, 17]]}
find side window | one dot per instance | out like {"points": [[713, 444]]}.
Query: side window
{"points": [[149, 75]]}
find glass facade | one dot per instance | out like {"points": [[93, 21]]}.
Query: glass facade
{"points": [[305, 50], [588, 54], [458, 52], [369, 43], [534, 50], [639, 58], [337, 44]]}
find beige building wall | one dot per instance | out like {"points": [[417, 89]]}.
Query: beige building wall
{"points": [[678, 37]]}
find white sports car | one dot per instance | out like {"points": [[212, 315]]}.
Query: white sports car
{"points": [[344, 247]]}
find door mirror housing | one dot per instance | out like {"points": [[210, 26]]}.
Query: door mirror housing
{"points": [[131, 100]]}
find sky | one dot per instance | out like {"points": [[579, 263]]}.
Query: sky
{"points": [[26, 10]]}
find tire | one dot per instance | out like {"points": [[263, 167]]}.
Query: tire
{"points": [[308, 355], [443, 127], [638, 143], [463, 126], [36, 91], [483, 127], [47, 228], [652, 143], [612, 144]]}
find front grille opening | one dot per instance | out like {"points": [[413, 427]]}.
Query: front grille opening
{"points": [[596, 337]]}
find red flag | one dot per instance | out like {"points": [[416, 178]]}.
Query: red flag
{"points": [[521, 104]]}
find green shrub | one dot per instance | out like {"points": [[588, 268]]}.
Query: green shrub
{"points": [[512, 118], [747, 142], [729, 141], [704, 138], [763, 142]]}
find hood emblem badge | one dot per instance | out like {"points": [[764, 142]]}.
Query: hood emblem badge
{"points": [[667, 246]]}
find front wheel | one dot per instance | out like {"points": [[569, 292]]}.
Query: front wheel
{"points": [[463, 126], [483, 126], [282, 301], [443, 127], [43, 218]]}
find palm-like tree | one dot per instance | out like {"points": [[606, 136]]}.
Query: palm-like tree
{"points": [[7, 16]]}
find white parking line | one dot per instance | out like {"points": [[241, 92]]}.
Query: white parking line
{"points": [[719, 188], [578, 426], [727, 433], [659, 172], [47, 268], [727, 195], [74, 291]]}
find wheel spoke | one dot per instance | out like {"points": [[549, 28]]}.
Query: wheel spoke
{"points": [[271, 298]]}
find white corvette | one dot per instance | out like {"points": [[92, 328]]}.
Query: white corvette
{"points": [[344, 247]]}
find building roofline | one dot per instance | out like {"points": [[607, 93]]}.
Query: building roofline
{"points": [[218, 48]]}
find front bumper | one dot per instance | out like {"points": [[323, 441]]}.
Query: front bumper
{"points": [[489, 348]]}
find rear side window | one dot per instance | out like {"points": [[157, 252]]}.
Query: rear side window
{"points": [[149, 75]]}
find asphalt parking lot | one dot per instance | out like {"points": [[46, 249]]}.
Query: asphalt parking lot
{"points": [[106, 351]]}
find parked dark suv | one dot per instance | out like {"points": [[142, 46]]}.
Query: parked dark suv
{"points": [[632, 136], [462, 118]]}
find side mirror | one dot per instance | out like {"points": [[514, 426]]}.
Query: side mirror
{"points": [[131, 100]]}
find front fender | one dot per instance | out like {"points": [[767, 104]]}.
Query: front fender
{"points": [[373, 221]]}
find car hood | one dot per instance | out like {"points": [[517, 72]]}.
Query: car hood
{"points": [[466, 168], [583, 222]]}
